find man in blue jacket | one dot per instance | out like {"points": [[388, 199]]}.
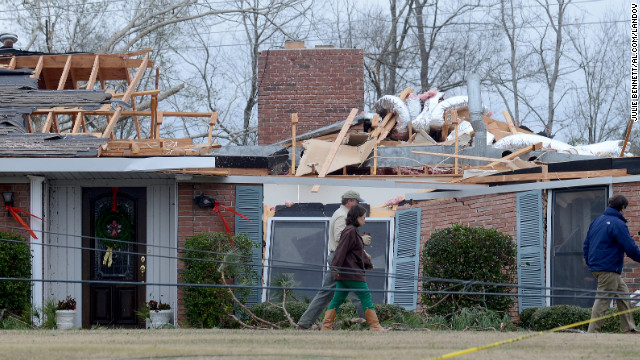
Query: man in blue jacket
{"points": [[606, 243]]}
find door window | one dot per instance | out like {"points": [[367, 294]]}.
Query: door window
{"points": [[573, 212]]}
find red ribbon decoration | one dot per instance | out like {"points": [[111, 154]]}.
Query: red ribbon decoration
{"points": [[14, 212], [224, 222], [114, 193]]}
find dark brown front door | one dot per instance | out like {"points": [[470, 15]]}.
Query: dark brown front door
{"points": [[116, 296]]}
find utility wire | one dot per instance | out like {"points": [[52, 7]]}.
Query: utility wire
{"points": [[315, 268]]}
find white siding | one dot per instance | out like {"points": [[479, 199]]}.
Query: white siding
{"points": [[63, 255], [162, 244]]}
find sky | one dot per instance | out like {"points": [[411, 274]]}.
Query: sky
{"points": [[584, 11]]}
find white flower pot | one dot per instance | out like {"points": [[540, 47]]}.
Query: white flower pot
{"points": [[64, 319], [159, 318]]}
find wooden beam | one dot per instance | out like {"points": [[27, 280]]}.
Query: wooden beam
{"points": [[445, 125], [154, 116], [48, 122], [518, 153], [38, 69], [468, 157], [94, 73], [65, 73], [334, 148], [159, 119], [387, 128], [12, 63], [510, 124], [546, 176], [454, 116], [29, 127], [138, 93], [212, 122], [133, 107], [77, 122], [374, 124], [403, 95], [294, 124], [626, 139], [126, 97]]}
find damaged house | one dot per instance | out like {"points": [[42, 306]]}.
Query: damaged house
{"points": [[314, 144]]}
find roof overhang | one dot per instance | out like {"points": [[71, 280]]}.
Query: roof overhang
{"points": [[102, 165]]}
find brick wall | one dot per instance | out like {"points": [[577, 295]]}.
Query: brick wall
{"points": [[497, 212], [21, 201], [193, 220], [631, 270], [490, 211], [321, 85]]}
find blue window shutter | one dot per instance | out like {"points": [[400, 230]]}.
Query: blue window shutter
{"points": [[249, 204], [530, 250], [406, 253]]}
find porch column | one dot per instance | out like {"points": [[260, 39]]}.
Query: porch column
{"points": [[35, 207]]}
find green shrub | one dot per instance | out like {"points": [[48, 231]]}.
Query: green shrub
{"points": [[49, 311], [481, 319], [525, 317], [203, 257], [554, 316], [273, 312], [540, 319], [436, 322], [397, 316], [468, 253], [15, 262]]}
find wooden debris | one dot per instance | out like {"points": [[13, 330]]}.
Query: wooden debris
{"points": [[544, 176]]}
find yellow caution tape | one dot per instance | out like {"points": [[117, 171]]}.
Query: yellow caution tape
{"points": [[474, 349]]}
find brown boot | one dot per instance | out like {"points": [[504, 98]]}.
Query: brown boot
{"points": [[372, 319], [329, 317]]}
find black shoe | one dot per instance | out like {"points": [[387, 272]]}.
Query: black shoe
{"points": [[634, 331]]}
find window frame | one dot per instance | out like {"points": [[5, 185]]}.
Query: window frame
{"points": [[266, 271]]}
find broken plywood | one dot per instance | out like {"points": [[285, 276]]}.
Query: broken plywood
{"points": [[316, 152]]}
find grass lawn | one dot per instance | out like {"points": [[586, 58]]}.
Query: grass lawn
{"points": [[292, 344]]}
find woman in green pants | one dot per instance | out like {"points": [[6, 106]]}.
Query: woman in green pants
{"points": [[348, 266]]}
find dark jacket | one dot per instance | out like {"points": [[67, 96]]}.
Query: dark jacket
{"points": [[349, 257], [607, 241]]}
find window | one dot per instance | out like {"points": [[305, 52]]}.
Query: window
{"points": [[573, 212], [298, 246]]}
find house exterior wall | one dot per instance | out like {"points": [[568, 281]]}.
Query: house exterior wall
{"points": [[499, 212], [193, 220], [321, 85], [21, 201], [631, 270], [489, 211]]}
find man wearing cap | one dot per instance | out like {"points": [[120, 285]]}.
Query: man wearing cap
{"points": [[323, 297]]}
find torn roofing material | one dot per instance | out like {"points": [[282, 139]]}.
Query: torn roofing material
{"points": [[49, 145]]}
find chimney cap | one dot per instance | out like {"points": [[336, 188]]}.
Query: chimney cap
{"points": [[288, 45], [8, 36]]}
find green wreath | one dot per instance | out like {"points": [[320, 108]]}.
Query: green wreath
{"points": [[114, 225]]}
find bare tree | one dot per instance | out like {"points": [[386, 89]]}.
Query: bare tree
{"points": [[549, 48], [601, 89], [448, 47], [506, 76]]}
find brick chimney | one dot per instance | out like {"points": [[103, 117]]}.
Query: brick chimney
{"points": [[322, 85]]}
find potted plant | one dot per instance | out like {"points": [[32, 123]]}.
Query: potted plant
{"points": [[65, 313], [159, 313]]}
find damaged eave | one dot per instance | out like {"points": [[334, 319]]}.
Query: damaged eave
{"points": [[103, 165], [395, 182], [559, 184]]}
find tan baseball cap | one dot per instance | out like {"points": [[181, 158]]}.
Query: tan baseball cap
{"points": [[352, 195]]}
